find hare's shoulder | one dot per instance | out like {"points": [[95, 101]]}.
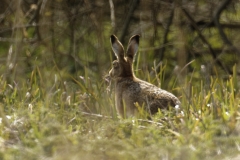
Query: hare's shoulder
{"points": [[129, 85]]}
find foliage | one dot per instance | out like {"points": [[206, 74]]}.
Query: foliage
{"points": [[42, 122]]}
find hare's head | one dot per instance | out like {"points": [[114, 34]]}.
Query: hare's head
{"points": [[122, 67]]}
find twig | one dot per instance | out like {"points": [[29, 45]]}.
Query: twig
{"points": [[109, 117], [96, 115], [149, 121]]}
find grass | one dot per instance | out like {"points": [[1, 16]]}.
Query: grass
{"points": [[47, 118]]}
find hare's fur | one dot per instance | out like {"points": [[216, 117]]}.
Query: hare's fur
{"points": [[131, 91]]}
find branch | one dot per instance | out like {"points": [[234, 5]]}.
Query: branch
{"points": [[210, 24], [214, 55], [127, 21], [112, 14], [37, 17], [216, 18], [165, 40]]}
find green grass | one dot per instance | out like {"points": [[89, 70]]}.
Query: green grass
{"points": [[47, 118]]}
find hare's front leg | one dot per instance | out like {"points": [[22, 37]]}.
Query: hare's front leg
{"points": [[119, 105], [125, 106], [129, 107]]}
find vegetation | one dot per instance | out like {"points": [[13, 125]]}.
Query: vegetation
{"points": [[55, 102]]}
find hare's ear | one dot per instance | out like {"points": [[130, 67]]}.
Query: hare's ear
{"points": [[117, 47], [132, 47]]}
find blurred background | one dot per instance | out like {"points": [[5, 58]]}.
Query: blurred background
{"points": [[70, 38]]}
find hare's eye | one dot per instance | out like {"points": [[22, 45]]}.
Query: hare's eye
{"points": [[115, 65]]}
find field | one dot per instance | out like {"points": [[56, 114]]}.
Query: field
{"points": [[46, 118]]}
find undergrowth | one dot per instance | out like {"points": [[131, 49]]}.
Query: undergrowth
{"points": [[48, 118]]}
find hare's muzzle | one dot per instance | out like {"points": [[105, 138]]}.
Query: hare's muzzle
{"points": [[112, 73]]}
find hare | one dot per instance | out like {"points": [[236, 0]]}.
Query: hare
{"points": [[131, 91]]}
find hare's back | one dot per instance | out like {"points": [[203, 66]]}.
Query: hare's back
{"points": [[157, 97]]}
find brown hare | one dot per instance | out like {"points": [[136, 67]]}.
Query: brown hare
{"points": [[131, 91]]}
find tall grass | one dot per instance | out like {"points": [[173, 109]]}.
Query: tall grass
{"points": [[48, 118]]}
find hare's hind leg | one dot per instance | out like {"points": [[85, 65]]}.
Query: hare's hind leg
{"points": [[160, 105]]}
